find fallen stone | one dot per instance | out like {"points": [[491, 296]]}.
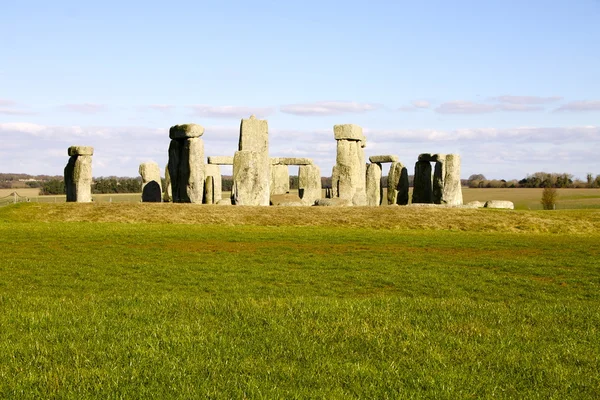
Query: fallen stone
{"points": [[287, 199], [186, 131], [220, 160], [224, 202], [383, 159], [80, 151], [474, 204], [504, 204], [334, 202], [348, 132]]}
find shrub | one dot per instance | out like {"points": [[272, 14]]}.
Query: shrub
{"points": [[549, 196]]}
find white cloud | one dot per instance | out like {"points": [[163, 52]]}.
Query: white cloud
{"points": [[465, 107], [519, 107], [159, 107], [84, 108], [7, 103], [586, 105], [322, 108], [421, 104], [203, 110], [525, 100]]}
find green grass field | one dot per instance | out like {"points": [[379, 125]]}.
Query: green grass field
{"points": [[188, 301]]}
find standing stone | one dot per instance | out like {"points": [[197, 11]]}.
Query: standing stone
{"points": [[374, 190], [398, 184], [349, 177], [280, 179], [167, 195], [186, 163], [422, 187], [251, 164], [439, 175], [335, 183], [78, 174], [309, 184], [151, 182], [213, 171], [209, 190], [452, 190]]}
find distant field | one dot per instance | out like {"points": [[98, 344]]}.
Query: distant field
{"points": [[140, 300]]}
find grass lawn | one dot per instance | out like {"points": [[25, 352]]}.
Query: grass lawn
{"points": [[185, 301]]}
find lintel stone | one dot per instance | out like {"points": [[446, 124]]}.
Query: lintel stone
{"points": [[220, 160], [431, 157], [383, 159], [291, 161], [348, 132], [81, 151], [186, 131]]}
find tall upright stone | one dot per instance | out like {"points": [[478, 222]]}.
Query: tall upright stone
{"points": [[349, 177], [422, 187], [151, 182], [452, 190], [309, 184], [78, 174], [213, 171], [167, 194], [186, 163], [251, 164], [280, 179], [398, 184], [374, 189]]}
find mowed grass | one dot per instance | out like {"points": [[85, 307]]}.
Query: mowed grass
{"points": [[244, 302]]}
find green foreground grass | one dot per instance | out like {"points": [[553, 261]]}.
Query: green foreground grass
{"points": [[169, 310]]}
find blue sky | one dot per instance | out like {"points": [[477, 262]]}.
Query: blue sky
{"points": [[512, 86]]}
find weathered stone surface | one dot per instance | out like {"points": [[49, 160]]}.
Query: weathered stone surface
{"points": [[254, 135], [80, 151], [151, 182], [500, 204], [209, 190], [220, 160], [398, 184], [348, 132], [383, 159], [474, 204], [78, 179], [280, 179], [351, 172], [452, 190], [186, 169], [291, 161], [374, 189], [167, 194], [250, 179], [439, 175], [309, 184], [334, 202], [431, 157], [422, 187], [214, 171], [224, 202], [335, 183], [186, 131]]}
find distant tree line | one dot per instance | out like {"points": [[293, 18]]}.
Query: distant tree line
{"points": [[536, 180], [102, 185]]}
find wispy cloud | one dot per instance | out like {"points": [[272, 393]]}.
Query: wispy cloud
{"points": [[322, 108], [577, 106], [519, 107], [207, 111], [10, 107], [159, 107], [526, 100], [465, 107], [7, 103], [84, 108], [416, 106]]}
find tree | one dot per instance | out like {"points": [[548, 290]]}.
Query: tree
{"points": [[549, 195]]}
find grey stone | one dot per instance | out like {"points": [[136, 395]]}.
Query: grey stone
{"points": [[78, 178], [254, 135], [383, 159], [209, 190], [350, 172], [250, 179], [224, 202], [374, 189], [431, 157], [287, 199], [348, 132], [474, 204], [220, 160], [422, 187], [186, 131], [398, 184], [280, 179], [452, 189], [167, 194], [186, 169], [500, 204], [291, 161], [439, 175], [309, 184], [334, 202], [151, 182], [214, 171], [335, 182], [80, 151]]}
